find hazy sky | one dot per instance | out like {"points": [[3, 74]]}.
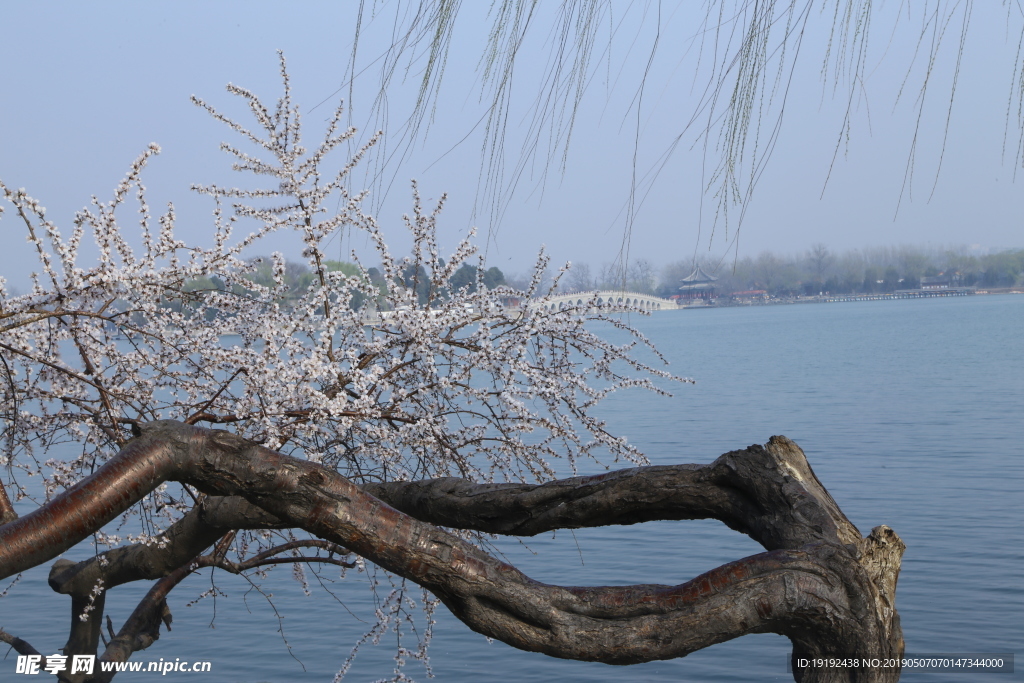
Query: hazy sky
{"points": [[88, 85]]}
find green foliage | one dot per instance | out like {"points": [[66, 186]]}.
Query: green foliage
{"points": [[466, 277], [299, 277], [415, 277], [493, 277], [873, 270], [891, 279], [350, 269], [1002, 270]]}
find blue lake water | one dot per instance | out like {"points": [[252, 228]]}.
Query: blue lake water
{"points": [[911, 413]]}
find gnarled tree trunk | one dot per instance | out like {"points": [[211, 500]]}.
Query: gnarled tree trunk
{"points": [[820, 583]]}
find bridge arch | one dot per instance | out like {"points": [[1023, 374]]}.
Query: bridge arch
{"points": [[606, 301]]}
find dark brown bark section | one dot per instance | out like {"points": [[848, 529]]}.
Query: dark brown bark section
{"points": [[197, 530], [7, 513], [768, 492], [142, 627], [17, 644], [71, 517], [212, 518], [820, 584]]}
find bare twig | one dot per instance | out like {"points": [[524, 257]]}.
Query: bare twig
{"points": [[19, 645]]}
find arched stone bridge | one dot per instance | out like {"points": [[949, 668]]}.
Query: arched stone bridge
{"points": [[608, 301]]}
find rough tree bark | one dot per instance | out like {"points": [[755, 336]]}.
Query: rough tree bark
{"points": [[820, 583]]}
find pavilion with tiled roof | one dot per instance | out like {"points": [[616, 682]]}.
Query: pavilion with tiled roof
{"points": [[697, 285]]}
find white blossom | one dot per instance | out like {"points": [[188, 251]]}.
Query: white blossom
{"points": [[417, 382]]}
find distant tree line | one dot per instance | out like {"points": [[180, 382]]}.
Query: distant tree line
{"points": [[817, 270], [296, 279], [466, 277]]}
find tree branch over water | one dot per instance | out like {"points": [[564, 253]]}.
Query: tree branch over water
{"points": [[353, 401], [820, 584]]}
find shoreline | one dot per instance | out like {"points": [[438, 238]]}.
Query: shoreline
{"points": [[840, 298]]}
